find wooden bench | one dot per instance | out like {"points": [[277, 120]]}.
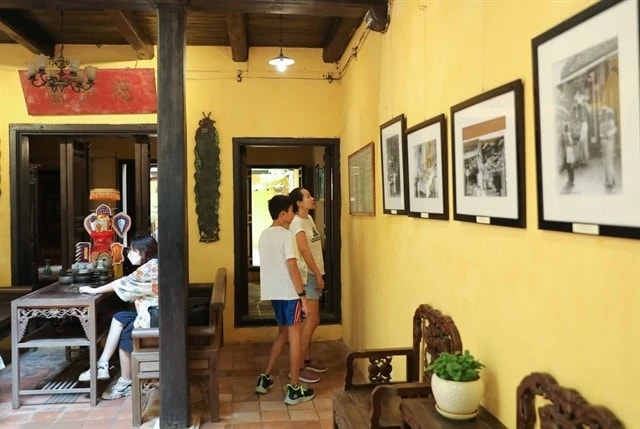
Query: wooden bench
{"points": [[375, 404], [565, 408], [204, 345]]}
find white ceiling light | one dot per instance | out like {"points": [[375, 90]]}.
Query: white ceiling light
{"points": [[281, 62]]}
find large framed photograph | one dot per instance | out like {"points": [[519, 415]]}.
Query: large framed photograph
{"points": [[488, 157], [426, 165], [362, 197], [587, 118], [393, 150]]}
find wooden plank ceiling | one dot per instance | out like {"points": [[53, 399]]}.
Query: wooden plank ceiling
{"points": [[39, 25]]}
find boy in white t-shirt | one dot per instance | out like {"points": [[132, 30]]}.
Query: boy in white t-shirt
{"points": [[280, 282]]}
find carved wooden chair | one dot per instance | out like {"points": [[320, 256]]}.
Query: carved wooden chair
{"points": [[375, 404], [567, 408]]}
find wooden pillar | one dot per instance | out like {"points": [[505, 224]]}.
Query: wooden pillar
{"points": [[142, 149], [172, 216]]}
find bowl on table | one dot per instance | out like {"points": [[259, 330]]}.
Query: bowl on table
{"points": [[83, 276], [65, 278]]}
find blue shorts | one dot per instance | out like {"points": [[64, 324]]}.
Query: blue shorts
{"points": [[312, 287], [287, 312], [126, 318]]}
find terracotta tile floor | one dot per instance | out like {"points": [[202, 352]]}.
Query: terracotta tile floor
{"points": [[240, 406]]}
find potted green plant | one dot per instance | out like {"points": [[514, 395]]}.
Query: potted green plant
{"points": [[456, 384]]}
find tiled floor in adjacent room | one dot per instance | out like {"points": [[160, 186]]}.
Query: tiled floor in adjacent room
{"points": [[240, 406]]}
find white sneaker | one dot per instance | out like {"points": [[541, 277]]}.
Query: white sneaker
{"points": [[121, 389], [103, 374]]}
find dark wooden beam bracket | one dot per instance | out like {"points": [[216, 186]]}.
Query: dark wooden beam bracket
{"points": [[133, 35], [338, 38], [15, 26], [237, 24], [377, 18]]}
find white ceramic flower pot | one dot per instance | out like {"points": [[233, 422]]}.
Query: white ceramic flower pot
{"points": [[457, 397]]}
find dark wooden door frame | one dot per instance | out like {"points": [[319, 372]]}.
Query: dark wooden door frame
{"points": [[19, 176], [74, 162], [332, 222]]}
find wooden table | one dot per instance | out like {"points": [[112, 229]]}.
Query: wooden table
{"points": [[420, 413], [54, 302]]}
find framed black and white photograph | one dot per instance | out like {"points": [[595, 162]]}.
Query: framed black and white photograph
{"points": [[488, 157], [393, 153], [426, 165], [587, 118]]}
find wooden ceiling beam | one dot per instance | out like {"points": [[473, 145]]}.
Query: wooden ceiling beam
{"points": [[78, 4], [132, 34], [15, 26], [338, 39], [237, 24], [346, 8], [340, 8]]}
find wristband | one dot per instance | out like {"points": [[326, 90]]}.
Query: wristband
{"points": [[303, 293]]}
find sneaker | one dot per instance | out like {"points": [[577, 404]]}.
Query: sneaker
{"points": [[103, 373], [315, 367], [307, 376], [265, 382], [298, 394], [121, 389]]}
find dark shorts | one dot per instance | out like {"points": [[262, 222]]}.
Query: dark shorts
{"points": [[287, 312], [126, 318]]}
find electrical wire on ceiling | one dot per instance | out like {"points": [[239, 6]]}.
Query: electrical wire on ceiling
{"points": [[329, 77], [354, 54]]}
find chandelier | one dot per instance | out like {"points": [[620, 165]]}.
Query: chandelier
{"points": [[63, 72]]}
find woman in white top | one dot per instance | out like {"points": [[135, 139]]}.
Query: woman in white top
{"points": [[309, 243]]}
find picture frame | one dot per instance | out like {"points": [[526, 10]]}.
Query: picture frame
{"points": [[487, 149], [362, 193], [588, 129], [427, 170], [393, 151]]}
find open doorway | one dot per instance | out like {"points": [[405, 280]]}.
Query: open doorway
{"points": [[265, 167], [265, 182], [47, 211]]}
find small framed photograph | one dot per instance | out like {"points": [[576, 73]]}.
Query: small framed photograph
{"points": [[587, 121], [488, 157], [362, 194], [393, 151], [426, 165]]}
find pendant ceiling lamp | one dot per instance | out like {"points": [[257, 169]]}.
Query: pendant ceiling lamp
{"points": [[281, 62]]}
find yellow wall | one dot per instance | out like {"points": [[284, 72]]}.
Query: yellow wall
{"points": [[266, 103], [524, 299]]}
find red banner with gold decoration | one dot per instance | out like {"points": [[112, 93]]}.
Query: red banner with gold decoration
{"points": [[116, 91]]}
